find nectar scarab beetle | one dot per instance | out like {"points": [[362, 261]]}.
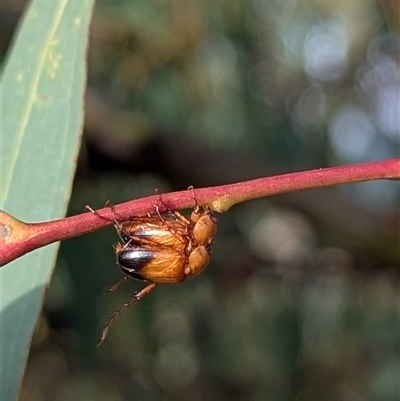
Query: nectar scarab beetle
{"points": [[169, 233], [164, 248], [161, 265], [205, 225]]}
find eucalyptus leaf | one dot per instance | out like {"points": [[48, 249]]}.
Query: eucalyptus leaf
{"points": [[42, 88]]}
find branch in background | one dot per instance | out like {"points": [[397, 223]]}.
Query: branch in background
{"points": [[18, 238]]}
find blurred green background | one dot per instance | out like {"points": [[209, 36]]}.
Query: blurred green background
{"points": [[301, 299]]}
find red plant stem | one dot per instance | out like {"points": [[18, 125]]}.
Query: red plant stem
{"points": [[24, 238]]}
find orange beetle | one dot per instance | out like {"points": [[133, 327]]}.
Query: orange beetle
{"points": [[163, 249]]}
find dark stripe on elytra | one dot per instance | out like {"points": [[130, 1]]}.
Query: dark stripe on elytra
{"points": [[134, 260]]}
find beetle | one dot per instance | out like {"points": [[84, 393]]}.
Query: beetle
{"points": [[156, 264], [165, 248], [150, 229], [177, 230], [205, 224]]}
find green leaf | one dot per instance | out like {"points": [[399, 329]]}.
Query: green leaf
{"points": [[41, 103]]}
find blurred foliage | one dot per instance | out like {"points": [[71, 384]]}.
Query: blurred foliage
{"points": [[301, 299]]}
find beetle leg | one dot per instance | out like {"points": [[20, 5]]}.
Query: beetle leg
{"points": [[87, 207], [197, 208], [132, 241], [157, 209], [117, 224], [137, 241], [136, 297], [183, 220], [167, 209], [179, 218], [116, 285], [196, 203], [108, 204], [157, 206]]}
